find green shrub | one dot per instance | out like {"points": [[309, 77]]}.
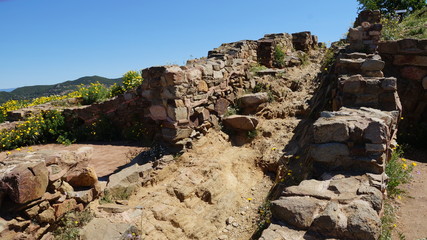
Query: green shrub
{"points": [[70, 224], [398, 171], [116, 90], [256, 68], [95, 92], [279, 57], [44, 127], [132, 79]]}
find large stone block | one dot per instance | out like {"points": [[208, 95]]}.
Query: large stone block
{"points": [[158, 112], [330, 130], [82, 177], [297, 211], [372, 65], [413, 73], [174, 75], [329, 152], [376, 132], [241, 122], [410, 60], [177, 113], [26, 182]]}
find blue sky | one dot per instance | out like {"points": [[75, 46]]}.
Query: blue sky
{"points": [[51, 41]]}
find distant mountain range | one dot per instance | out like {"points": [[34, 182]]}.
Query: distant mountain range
{"points": [[30, 92], [7, 90]]}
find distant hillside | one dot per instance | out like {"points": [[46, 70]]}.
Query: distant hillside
{"points": [[29, 92], [5, 96], [7, 90]]}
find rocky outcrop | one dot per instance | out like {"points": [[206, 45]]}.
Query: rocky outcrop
{"points": [[43, 186]]}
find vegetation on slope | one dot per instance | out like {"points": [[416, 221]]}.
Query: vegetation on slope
{"points": [[390, 6], [412, 26], [30, 92]]}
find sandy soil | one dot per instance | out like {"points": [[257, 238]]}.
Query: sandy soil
{"points": [[412, 214]]}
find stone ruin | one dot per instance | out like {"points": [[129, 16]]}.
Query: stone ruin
{"points": [[178, 102], [349, 149]]}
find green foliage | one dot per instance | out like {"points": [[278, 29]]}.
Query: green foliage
{"points": [[132, 79], [263, 87], [102, 129], [70, 224], [252, 134], [387, 221], [389, 6], [305, 60], [328, 59], [398, 171], [116, 90], [256, 68], [30, 92], [279, 57], [232, 110], [47, 126], [412, 26], [95, 92]]}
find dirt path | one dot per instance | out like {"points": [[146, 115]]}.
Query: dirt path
{"points": [[412, 214]]}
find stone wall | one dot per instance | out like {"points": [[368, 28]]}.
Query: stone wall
{"points": [[349, 149], [184, 101], [406, 59]]}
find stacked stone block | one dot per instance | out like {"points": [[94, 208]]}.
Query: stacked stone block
{"points": [[407, 60], [349, 151], [364, 37]]}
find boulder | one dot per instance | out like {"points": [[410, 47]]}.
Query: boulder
{"points": [[329, 152], [252, 99], [82, 177], [102, 228], [64, 207], [241, 122], [26, 182], [297, 211]]}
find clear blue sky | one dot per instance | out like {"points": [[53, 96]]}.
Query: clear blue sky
{"points": [[51, 41]]}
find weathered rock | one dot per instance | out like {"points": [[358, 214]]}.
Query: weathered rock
{"points": [[252, 99], [413, 60], [372, 65], [362, 221], [329, 152], [331, 130], [47, 216], [331, 222], [158, 112], [202, 86], [277, 232], [82, 177], [297, 211], [102, 228], [128, 179], [221, 106], [241, 122], [26, 182], [64, 207]]}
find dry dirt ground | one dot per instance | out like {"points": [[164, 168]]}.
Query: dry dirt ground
{"points": [[412, 213]]}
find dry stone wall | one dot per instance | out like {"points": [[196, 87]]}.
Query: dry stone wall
{"points": [[407, 60], [182, 102], [349, 150]]}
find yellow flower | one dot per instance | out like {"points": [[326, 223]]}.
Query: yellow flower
{"points": [[414, 164], [399, 197], [18, 149], [401, 118], [249, 199], [403, 159], [297, 157], [76, 222], [404, 166], [8, 153], [394, 225], [273, 148]]}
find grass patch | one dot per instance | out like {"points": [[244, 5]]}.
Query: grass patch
{"points": [[412, 26], [399, 172], [70, 224], [256, 68]]}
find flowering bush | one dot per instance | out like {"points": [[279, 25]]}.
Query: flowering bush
{"points": [[46, 126], [95, 92]]}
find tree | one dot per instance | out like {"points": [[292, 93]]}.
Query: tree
{"points": [[389, 6]]}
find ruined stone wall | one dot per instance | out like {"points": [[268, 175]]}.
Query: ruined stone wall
{"points": [[406, 59], [184, 101], [349, 149]]}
